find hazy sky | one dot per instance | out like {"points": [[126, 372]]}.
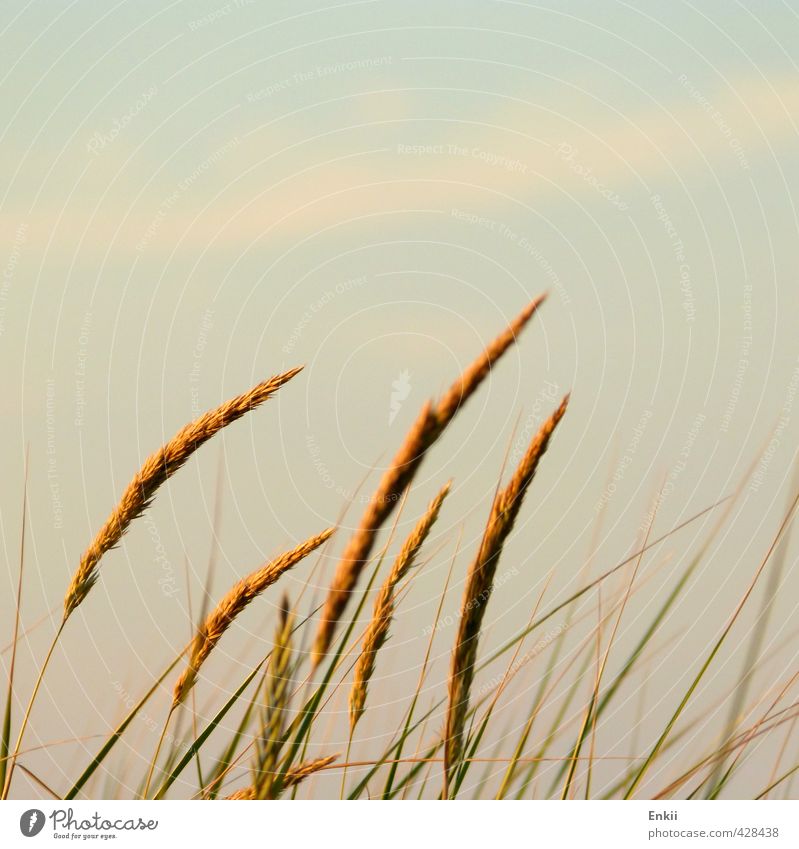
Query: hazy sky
{"points": [[197, 195]]}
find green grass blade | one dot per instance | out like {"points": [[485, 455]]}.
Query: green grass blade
{"points": [[717, 780], [5, 742], [118, 732], [206, 733], [392, 773], [711, 656], [589, 586], [304, 721]]}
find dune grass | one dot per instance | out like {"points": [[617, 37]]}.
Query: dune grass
{"points": [[557, 682]]}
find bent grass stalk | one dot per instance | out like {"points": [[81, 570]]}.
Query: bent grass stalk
{"points": [[383, 613], [479, 583], [512, 668], [281, 750], [635, 783], [156, 471], [394, 483], [430, 751], [233, 603], [6, 735], [267, 782], [532, 715], [755, 644], [296, 775], [422, 673], [212, 725], [222, 617], [430, 424], [310, 708], [300, 726], [377, 632], [590, 715]]}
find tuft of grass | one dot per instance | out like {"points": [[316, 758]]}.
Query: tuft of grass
{"points": [[377, 632], [480, 579], [296, 775], [233, 603], [639, 776], [284, 713], [5, 740], [267, 780], [428, 427], [155, 472], [157, 469]]}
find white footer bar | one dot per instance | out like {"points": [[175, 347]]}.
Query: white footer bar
{"points": [[404, 825]]}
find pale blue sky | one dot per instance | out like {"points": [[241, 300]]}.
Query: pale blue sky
{"points": [[197, 195]]}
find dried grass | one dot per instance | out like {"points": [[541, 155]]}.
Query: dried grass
{"points": [[236, 600], [430, 424], [293, 777], [479, 584], [377, 632], [157, 469], [266, 780]]}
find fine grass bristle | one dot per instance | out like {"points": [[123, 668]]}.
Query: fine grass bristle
{"points": [[543, 727], [394, 482], [236, 600], [5, 737], [478, 588], [430, 424], [293, 777], [377, 631], [474, 375], [266, 780], [157, 469]]}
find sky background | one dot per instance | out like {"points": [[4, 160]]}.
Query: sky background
{"points": [[197, 195]]}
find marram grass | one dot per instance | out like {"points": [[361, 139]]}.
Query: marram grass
{"points": [[511, 718]]}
